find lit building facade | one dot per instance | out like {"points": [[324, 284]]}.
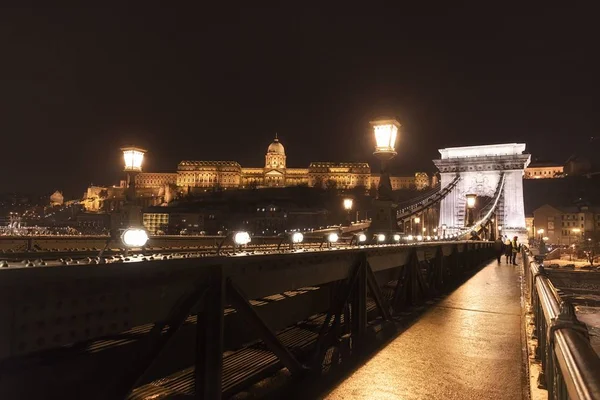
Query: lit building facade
{"points": [[566, 225], [156, 188], [543, 171], [275, 173]]}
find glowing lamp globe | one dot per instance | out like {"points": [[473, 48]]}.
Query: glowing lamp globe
{"points": [[133, 157], [241, 238], [332, 237], [362, 238], [471, 200], [396, 237], [134, 237], [381, 237], [386, 133], [297, 237], [417, 220], [348, 204]]}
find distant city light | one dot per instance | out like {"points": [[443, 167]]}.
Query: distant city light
{"points": [[540, 231], [417, 220], [134, 237], [241, 238]]}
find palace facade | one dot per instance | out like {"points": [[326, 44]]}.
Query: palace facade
{"points": [[155, 188], [192, 175]]}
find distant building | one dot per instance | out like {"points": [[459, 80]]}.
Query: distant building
{"points": [[57, 199], [544, 171], [158, 188], [192, 175], [565, 225]]}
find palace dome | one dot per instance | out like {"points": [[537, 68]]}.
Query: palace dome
{"points": [[276, 147]]}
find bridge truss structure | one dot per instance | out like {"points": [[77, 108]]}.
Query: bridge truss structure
{"points": [[209, 326]]}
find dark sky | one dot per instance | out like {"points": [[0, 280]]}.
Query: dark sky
{"points": [[205, 84]]}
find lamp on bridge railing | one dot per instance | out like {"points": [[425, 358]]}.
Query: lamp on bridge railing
{"points": [[348, 204], [471, 201], [385, 132], [358, 238], [133, 157], [293, 238], [444, 226], [416, 220], [134, 237]]}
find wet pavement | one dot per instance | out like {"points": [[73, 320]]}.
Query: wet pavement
{"points": [[467, 346]]}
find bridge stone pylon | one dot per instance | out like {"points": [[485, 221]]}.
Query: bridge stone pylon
{"points": [[480, 169]]}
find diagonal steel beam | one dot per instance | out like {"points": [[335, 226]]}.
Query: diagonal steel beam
{"points": [[380, 301], [241, 304], [156, 340]]}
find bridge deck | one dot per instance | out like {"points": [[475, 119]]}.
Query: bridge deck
{"points": [[468, 346]]}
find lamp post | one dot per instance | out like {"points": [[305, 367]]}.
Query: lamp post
{"points": [[348, 203], [133, 157], [385, 131], [471, 201], [574, 231], [417, 220], [444, 226], [131, 215]]}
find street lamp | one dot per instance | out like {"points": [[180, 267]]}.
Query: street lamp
{"points": [[540, 233], [348, 204], [444, 226], [471, 201], [133, 157], [386, 133], [416, 220], [574, 231]]}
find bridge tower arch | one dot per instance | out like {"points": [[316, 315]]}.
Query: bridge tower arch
{"points": [[481, 169]]}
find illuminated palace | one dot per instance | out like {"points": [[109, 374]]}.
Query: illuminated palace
{"points": [[154, 188], [275, 173]]}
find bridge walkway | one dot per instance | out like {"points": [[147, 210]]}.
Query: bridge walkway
{"points": [[468, 346]]}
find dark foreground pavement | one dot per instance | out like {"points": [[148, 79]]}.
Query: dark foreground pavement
{"points": [[468, 346]]}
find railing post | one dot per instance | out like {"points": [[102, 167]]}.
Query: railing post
{"points": [[209, 339]]}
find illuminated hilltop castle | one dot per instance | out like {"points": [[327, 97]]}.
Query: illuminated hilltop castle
{"points": [[275, 173], [193, 176]]}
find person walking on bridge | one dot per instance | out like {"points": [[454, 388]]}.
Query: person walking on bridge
{"points": [[499, 248], [507, 249], [516, 247]]}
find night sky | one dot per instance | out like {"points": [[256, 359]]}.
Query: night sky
{"points": [[216, 84]]}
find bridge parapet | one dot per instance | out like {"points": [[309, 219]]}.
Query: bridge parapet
{"points": [[84, 320]]}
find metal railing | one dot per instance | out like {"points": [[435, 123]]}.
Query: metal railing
{"points": [[570, 366]]}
